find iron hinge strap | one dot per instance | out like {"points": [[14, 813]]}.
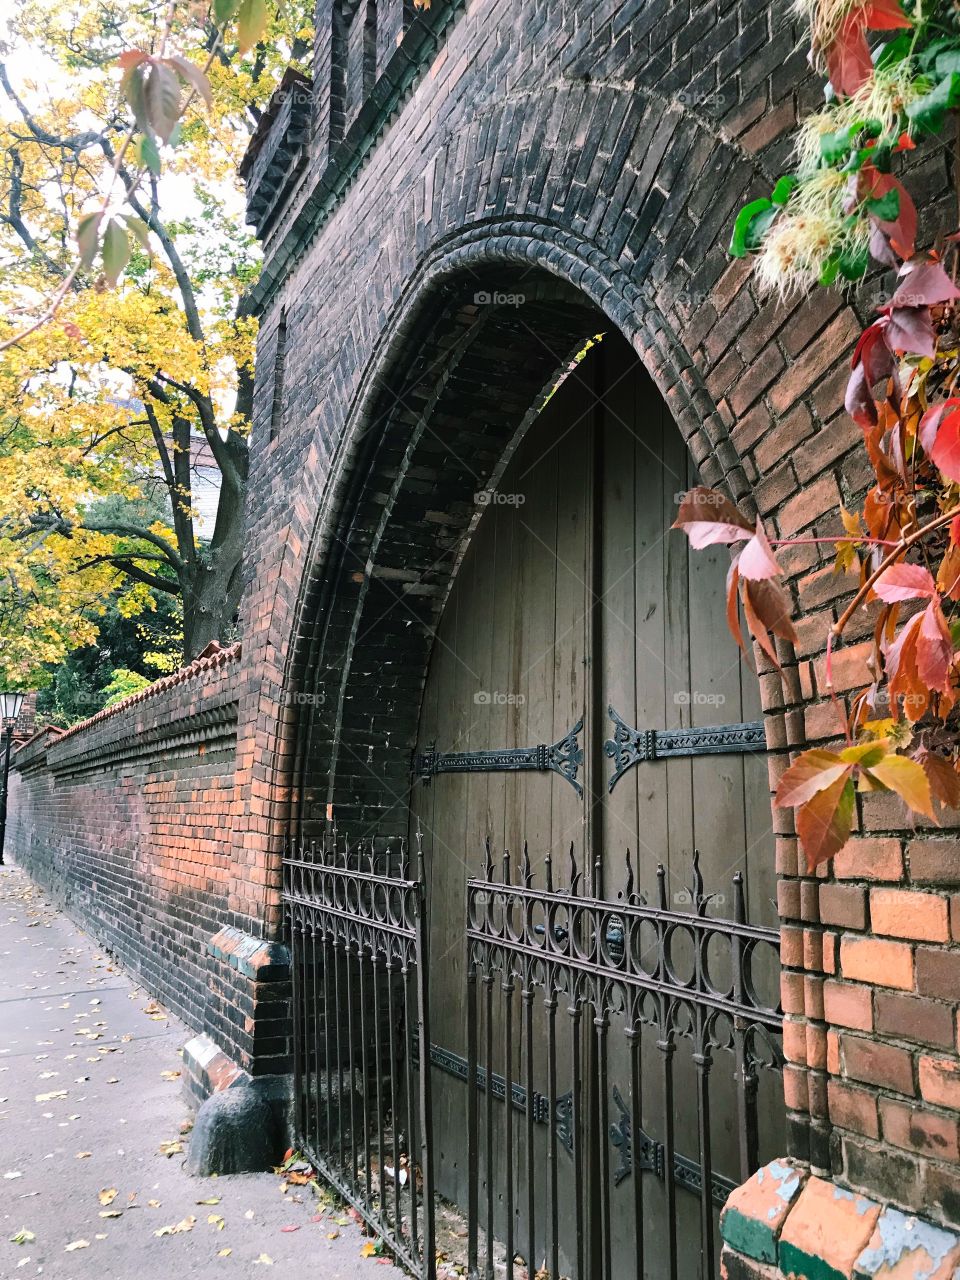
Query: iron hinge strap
{"points": [[630, 746], [562, 757]]}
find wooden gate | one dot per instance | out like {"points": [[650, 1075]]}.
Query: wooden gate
{"points": [[608, 1029]]}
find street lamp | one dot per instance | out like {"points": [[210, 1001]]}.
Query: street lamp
{"points": [[10, 704]]}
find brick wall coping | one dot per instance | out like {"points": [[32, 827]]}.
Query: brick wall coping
{"points": [[33, 751], [212, 658], [784, 1224]]}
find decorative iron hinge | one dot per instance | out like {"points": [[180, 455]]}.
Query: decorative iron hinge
{"points": [[563, 757], [630, 746]]}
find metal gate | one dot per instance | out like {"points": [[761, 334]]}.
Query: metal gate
{"points": [[355, 919], [578, 1160]]}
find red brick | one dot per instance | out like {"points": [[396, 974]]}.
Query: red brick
{"points": [[808, 505], [844, 905], [848, 668], [846, 1004], [874, 1062], [826, 1229], [940, 1081], [929, 1133], [853, 1108], [938, 973], [913, 1018], [816, 360], [934, 861], [901, 913], [886, 964]]}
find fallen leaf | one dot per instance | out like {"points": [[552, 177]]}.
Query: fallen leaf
{"points": [[76, 1244], [224, 1253], [171, 1148], [107, 1195], [369, 1250], [215, 1220], [333, 1235], [84, 1155], [49, 1097], [111, 1213], [13, 1173], [292, 1227], [186, 1224], [265, 1259], [169, 1075], [23, 1236], [153, 1204]]}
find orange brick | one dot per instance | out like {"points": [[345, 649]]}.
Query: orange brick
{"points": [[886, 964], [869, 858], [826, 1229], [927, 1132], [902, 913], [940, 1081], [795, 1041], [846, 1004]]}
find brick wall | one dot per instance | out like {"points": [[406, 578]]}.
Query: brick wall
{"points": [[606, 145], [126, 819]]}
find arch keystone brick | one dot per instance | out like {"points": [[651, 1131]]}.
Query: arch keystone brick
{"points": [[755, 1213], [826, 1232]]}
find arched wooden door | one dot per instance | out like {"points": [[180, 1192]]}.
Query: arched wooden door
{"points": [[578, 622]]}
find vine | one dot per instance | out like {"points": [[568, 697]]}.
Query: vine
{"points": [[843, 207]]}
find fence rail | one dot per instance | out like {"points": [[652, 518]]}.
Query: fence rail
{"points": [[356, 920]]}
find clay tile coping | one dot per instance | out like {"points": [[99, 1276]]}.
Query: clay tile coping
{"points": [[214, 655]]}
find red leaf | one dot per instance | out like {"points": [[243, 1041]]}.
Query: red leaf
{"points": [[813, 771], [884, 15], [824, 822], [910, 330], [733, 603], [924, 285], [934, 648], [848, 58], [707, 517], [945, 452], [767, 607], [943, 778], [873, 353], [902, 232], [858, 400], [756, 560], [905, 582], [930, 422]]}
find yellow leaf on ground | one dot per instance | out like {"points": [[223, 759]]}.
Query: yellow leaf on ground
{"points": [[107, 1195], [369, 1250], [265, 1259], [76, 1244]]}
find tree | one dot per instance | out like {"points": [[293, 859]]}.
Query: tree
{"points": [[127, 361], [846, 210]]}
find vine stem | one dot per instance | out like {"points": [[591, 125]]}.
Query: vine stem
{"points": [[903, 545]]}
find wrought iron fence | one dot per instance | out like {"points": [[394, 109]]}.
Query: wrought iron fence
{"points": [[595, 998], [356, 920]]}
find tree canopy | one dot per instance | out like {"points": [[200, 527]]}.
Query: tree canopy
{"points": [[126, 372]]}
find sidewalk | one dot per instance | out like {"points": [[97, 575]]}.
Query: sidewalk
{"points": [[89, 1096]]}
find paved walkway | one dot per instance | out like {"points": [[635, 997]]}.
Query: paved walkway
{"points": [[90, 1100]]}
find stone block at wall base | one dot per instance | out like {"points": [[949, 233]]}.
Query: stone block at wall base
{"points": [[784, 1224], [207, 1072]]}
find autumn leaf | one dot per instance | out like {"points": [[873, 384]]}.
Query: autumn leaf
{"points": [[369, 1250], [107, 1195], [905, 582], [942, 776], [824, 822], [945, 451], [757, 560], [23, 1236], [76, 1244], [811, 772], [708, 518], [907, 778]]}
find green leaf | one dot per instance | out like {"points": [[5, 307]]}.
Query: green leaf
{"points": [[224, 11], [251, 23], [148, 153], [831, 269], [747, 234], [116, 251], [88, 235], [139, 228], [927, 113], [853, 265], [947, 61], [132, 89], [785, 186], [885, 208], [892, 51], [834, 146], [163, 101]]}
